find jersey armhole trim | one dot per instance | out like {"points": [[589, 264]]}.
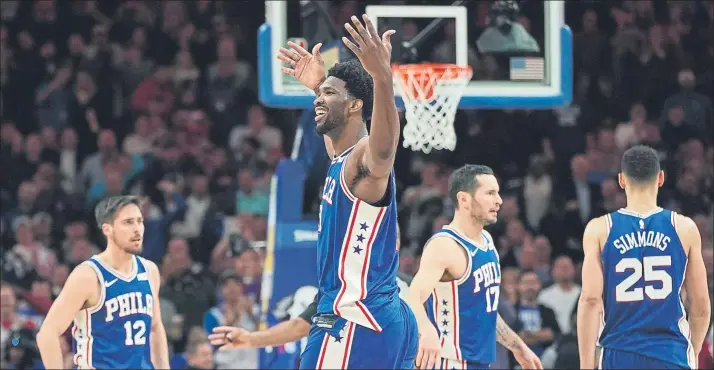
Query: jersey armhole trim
{"points": [[102, 289], [343, 181], [142, 261], [608, 222], [467, 273], [491, 244], [673, 218], [608, 228]]}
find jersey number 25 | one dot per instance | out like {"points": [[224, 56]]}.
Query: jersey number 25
{"points": [[662, 287]]}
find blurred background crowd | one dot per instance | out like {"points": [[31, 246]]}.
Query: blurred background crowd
{"points": [[159, 99]]}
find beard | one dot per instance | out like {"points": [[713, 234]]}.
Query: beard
{"points": [[129, 246], [482, 218], [329, 125]]}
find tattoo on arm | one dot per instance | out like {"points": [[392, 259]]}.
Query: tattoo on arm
{"points": [[505, 335]]}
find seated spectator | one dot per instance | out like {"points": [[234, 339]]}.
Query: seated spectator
{"points": [[236, 310], [538, 326]]}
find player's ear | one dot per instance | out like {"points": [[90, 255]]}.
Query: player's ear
{"points": [[106, 229], [462, 197], [356, 105], [660, 179], [621, 180]]}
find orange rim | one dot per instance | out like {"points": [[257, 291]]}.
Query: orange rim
{"points": [[418, 79]]}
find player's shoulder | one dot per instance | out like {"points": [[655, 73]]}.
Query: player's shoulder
{"points": [[359, 148], [149, 265], [597, 231], [599, 225], [683, 223], [687, 231], [85, 272], [442, 245]]}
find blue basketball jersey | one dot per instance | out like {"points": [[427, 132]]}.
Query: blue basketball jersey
{"points": [[357, 255], [464, 311], [116, 333], [643, 269]]}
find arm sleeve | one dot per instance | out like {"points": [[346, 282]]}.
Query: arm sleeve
{"points": [[309, 311]]}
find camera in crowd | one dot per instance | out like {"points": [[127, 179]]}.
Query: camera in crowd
{"points": [[21, 350], [237, 244], [504, 34]]}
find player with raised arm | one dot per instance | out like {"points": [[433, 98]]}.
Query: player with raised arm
{"points": [[637, 260], [113, 300], [459, 277], [360, 320]]}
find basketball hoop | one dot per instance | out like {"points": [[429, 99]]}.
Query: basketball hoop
{"points": [[431, 94]]}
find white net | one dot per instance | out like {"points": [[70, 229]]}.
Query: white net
{"points": [[431, 94]]}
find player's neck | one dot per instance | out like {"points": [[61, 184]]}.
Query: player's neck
{"points": [[118, 259], [641, 202], [470, 229], [349, 137]]}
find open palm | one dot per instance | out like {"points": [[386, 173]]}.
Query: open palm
{"points": [[308, 68], [373, 51]]}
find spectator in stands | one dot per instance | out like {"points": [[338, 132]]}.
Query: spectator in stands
{"points": [[100, 96], [157, 221], [562, 296], [200, 356], [92, 170], [538, 325], [631, 132], [249, 198], [258, 128], [537, 192], [187, 284], [237, 310], [696, 108]]}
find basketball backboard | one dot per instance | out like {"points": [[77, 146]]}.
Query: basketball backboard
{"points": [[536, 76]]}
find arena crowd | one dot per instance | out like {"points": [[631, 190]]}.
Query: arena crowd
{"points": [[159, 99]]}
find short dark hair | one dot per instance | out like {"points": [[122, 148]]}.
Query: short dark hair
{"points": [[640, 164], [464, 179], [107, 208], [357, 82], [528, 272], [193, 345]]}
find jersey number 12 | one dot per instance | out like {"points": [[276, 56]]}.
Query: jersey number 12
{"points": [[135, 333], [624, 291]]}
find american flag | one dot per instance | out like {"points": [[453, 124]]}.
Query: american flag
{"points": [[527, 68]]}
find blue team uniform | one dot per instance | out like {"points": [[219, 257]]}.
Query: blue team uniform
{"points": [[116, 333], [464, 311], [645, 325], [361, 322]]}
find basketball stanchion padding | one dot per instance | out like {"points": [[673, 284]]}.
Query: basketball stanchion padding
{"points": [[431, 94]]}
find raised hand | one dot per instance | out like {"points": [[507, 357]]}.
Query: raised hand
{"points": [[308, 68], [374, 52], [229, 337]]}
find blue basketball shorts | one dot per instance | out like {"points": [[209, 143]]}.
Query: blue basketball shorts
{"points": [[614, 359], [356, 347]]}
